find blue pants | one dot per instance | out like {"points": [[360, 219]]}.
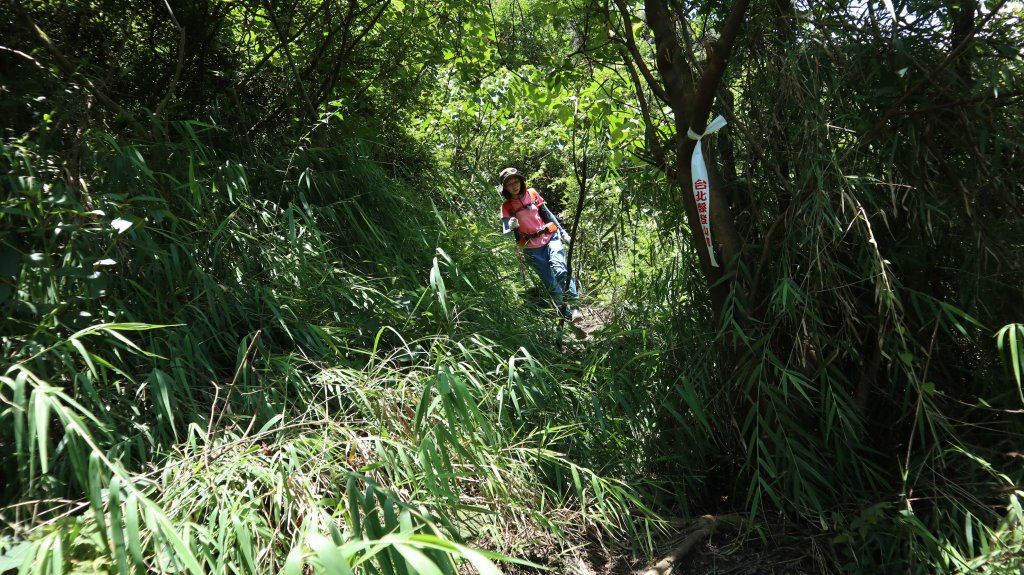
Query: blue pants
{"points": [[549, 261]]}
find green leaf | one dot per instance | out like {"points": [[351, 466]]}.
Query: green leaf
{"points": [[162, 384], [117, 529], [1013, 335], [417, 560], [329, 555], [40, 427], [95, 493], [244, 542], [293, 564], [16, 556], [133, 532], [181, 549], [437, 283]]}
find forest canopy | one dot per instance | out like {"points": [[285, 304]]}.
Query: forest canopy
{"points": [[258, 314]]}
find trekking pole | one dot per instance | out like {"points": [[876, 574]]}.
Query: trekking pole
{"points": [[519, 252], [581, 180], [579, 168]]}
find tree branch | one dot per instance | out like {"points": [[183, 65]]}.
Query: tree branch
{"points": [[341, 57], [266, 57], [928, 78], [652, 132], [68, 68], [1003, 99], [638, 59], [671, 64], [23, 55], [287, 52], [718, 58], [580, 171], [181, 62], [347, 46]]}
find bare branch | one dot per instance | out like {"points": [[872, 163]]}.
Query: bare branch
{"points": [[181, 62], [669, 56], [652, 132], [638, 59], [288, 53], [23, 55], [718, 58]]}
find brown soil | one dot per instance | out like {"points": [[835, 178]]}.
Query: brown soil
{"points": [[718, 554], [725, 551]]}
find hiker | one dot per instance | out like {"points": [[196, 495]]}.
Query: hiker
{"points": [[539, 235]]}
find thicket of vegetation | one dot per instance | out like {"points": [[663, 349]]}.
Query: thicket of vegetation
{"points": [[257, 316]]}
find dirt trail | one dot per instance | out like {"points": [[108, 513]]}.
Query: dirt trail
{"points": [[594, 318], [699, 550]]}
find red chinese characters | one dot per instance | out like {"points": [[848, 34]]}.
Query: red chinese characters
{"points": [[700, 194]]}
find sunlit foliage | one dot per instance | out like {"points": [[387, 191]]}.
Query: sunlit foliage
{"points": [[257, 317]]}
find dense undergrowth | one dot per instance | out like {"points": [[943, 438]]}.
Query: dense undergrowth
{"points": [[218, 362], [224, 363], [287, 338]]}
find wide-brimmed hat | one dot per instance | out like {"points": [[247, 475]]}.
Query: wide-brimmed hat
{"points": [[505, 175]]}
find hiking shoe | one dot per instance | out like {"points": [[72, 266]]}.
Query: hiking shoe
{"points": [[571, 313]]}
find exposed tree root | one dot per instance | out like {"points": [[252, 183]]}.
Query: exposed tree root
{"points": [[705, 527]]}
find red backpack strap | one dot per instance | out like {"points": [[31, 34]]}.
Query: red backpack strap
{"points": [[533, 200]]}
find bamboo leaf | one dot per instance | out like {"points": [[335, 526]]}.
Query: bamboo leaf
{"points": [[437, 284], [417, 561], [39, 424], [329, 555], [133, 532], [181, 549], [293, 563], [117, 527], [94, 491], [244, 543], [17, 557]]}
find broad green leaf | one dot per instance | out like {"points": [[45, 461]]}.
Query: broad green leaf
{"points": [[329, 555], [293, 563]]}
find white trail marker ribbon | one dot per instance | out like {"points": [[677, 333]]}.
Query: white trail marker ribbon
{"points": [[701, 187]]}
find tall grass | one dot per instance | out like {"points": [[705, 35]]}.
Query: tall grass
{"points": [[216, 363]]}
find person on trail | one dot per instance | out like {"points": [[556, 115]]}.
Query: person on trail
{"points": [[539, 234]]}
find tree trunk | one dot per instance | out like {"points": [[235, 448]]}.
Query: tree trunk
{"points": [[691, 103]]}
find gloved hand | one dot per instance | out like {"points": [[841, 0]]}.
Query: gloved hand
{"points": [[567, 239], [513, 223]]}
